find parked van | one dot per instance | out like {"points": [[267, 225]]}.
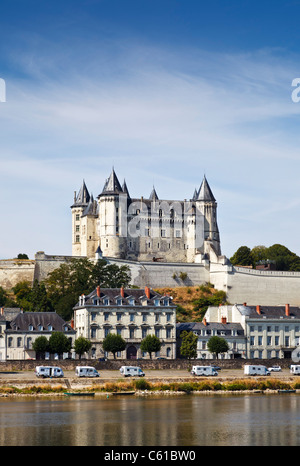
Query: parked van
{"points": [[203, 370], [132, 371], [295, 369], [256, 370], [48, 371], [86, 371]]}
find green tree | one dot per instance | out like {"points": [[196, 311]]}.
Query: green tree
{"points": [[22, 256], [150, 344], [81, 276], [242, 256], [59, 343], [188, 347], [41, 346], [39, 300], [114, 343], [22, 292], [217, 345], [82, 345], [209, 299]]}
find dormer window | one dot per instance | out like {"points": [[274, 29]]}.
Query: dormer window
{"points": [[166, 302], [50, 328], [30, 327], [41, 328], [157, 302], [131, 301], [106, 302], [119, 302]]}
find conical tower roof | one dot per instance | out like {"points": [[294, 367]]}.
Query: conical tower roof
{"points": [[112, 184], [153, 195], [125, 189], [83, 197], [205, 193]]}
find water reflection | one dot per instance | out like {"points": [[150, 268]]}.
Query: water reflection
{"points": [[152, 421]]}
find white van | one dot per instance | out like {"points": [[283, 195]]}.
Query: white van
{"points": [[48, 371], [132, 371], [86, 371], [256, 370], [295, 369], [203, 370]]}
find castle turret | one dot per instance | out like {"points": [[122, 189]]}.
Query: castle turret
{"points": [[207, 205], [81, 202]]}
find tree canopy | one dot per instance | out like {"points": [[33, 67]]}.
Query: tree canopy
{"points": [[150, 344], [217, 345], [188, 346], [277, 254], [114, 343]]}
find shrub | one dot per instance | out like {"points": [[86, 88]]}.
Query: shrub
{"points": [[142, 384]]}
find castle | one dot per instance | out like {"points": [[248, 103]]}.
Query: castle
{"points": [[144, 229]]}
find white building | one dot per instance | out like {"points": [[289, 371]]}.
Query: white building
{"points": [[131, 313], [270, 331], [233, 333]]}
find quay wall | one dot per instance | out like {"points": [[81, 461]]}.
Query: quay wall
{"points": [[145, 364]]}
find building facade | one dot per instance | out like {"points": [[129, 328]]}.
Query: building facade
{"points": [[233, 333], [24, 328], [131, 313], [270, 331], [144, 229]]}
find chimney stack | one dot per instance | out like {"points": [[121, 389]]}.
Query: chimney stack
{"points": [[223, 320], [245, 304], [72, 323], [147, 291], [98, 291], [122, 291], [287, 310], [258, 309], [204, 321]]}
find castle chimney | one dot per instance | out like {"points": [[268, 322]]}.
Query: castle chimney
{"points": [[245, 304], [258, 309], [72, 323], [287, 310], [204, 321], [98, 291], [147, 291], [122, 291], [223, 320]]}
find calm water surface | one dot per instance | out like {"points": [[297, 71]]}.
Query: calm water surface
{"points": [[189, 420]]}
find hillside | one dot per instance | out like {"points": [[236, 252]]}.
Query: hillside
{"points": [[193, 301]]}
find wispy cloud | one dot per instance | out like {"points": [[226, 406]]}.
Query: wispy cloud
{"points": [[159, 116]]}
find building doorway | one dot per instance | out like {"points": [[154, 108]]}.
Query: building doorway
{"points": [[131, 352]]}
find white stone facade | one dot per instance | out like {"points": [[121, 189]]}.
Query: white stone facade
{"points": [[131, 313], [144, 229]]}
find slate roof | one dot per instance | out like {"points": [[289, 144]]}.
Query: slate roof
{"points": [[114, 293], [22, 321], [219, 327], [271, 312], [205, 193], [83, 196]]}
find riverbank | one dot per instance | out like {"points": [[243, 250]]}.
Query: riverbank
{"points": [[143, 387]]}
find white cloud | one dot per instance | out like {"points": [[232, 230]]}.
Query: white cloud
{"points": [[161, 117]]}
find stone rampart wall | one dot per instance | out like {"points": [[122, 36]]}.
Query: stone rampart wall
{"points": [[16, 270]]}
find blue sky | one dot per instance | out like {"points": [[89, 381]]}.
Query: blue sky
{"points": [[165, 91]]}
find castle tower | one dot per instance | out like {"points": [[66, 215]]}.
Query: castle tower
{"points": [[112, 206], [207, 205], [81, 201]]}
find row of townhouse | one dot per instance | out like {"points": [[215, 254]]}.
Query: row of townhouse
{"points": [[131, 313], [261, 332], [252, 332]]}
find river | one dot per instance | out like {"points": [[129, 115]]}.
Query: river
{"points": [[186, 420]]}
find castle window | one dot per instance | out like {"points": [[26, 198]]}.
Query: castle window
{"points": [[77, 239], [77, 227], [77, 217], [178, 234], [163, 233]]}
